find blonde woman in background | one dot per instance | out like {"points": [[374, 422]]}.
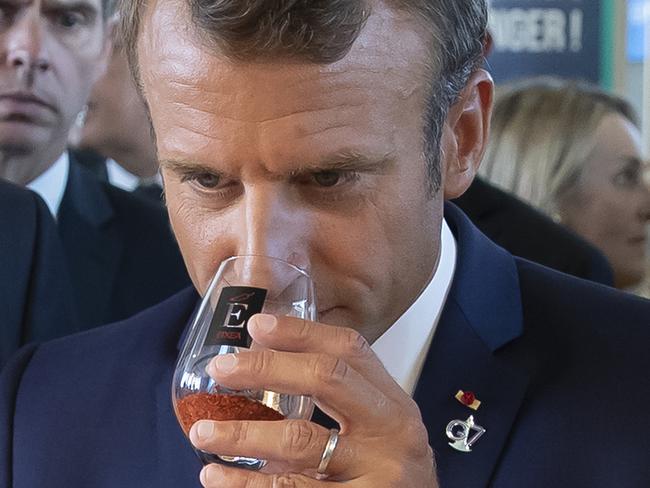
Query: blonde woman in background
{"points": [[574, 152]]}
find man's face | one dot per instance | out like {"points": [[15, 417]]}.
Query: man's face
{"points": [[318, 165], [52, 52]]}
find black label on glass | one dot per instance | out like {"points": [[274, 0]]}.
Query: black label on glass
{"points": [[229, 325]]}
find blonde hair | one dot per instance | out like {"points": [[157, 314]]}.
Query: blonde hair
{"points": [[543, 131]]}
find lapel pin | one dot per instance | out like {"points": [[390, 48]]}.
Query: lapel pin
{"points": [[460, 433], [468, 399]]}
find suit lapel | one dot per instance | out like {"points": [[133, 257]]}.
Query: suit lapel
{"points": [[482, 316], [459, 360], [92, 242]]}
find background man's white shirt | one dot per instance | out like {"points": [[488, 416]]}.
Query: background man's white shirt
{"points": [[119, 177], [51, 184]]}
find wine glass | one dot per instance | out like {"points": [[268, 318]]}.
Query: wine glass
{"points": [[242, 287]]}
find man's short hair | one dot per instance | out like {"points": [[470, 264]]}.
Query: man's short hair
{"points": [[323, 31]]}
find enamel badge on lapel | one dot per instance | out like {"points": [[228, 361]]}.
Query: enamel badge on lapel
{"points": [[460, 433], [468, 399]]}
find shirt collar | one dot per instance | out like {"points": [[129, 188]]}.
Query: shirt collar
{"points": [[119, 177], [404, 346], [50, 185]]}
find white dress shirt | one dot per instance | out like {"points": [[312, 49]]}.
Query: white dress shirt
{"points": [[119, 177], [51, 184], [404, 347]]}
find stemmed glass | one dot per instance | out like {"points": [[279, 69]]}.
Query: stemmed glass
{"points": [[242, 287]]}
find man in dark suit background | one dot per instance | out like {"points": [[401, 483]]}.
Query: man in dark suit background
{"points": [[526, 232], [120, 251], [309, 148], [36, 301]]}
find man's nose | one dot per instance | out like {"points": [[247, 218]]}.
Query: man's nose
{"points": [[25, 42], [274, 225], [271, 225]]}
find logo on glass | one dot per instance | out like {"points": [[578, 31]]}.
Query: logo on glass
{"points": [[236, 305]]}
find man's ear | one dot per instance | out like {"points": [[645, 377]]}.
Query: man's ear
{"points": [[465, 134]]}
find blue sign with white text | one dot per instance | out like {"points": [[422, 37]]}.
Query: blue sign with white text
{"points": [[545, 37]]}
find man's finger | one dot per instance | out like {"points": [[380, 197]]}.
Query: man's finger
{"points": [[298, 444], [215, 476], [337, 387], [299, 335]]}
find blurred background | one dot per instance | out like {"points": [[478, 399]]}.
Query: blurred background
{"points": [[602, 41]]}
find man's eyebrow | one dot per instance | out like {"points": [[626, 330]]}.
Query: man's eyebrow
{"points": [[351, 161], [340, 161], [83, 6], [185, 166]]}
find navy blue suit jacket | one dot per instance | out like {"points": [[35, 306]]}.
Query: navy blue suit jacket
{"points": [[121, 253], [35, 290], [560, 366]]}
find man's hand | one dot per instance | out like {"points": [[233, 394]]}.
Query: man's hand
{"points": [[383, 442]]}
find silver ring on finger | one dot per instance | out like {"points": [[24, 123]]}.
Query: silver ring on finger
{"points": [[328, 452]]}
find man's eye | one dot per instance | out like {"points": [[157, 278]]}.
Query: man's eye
{"points": [[69, 19], [206, 180], [327, 178]]}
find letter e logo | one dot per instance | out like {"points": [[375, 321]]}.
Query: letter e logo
{"points": [[234, 316]]}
